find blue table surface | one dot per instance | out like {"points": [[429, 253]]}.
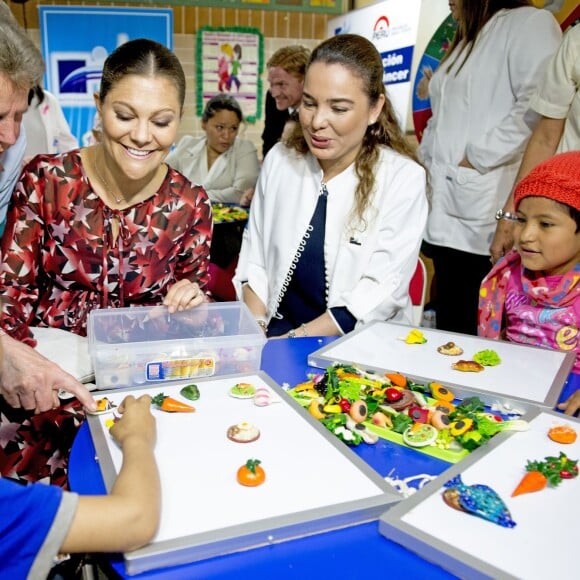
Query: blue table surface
{"points": [[355, 552]]}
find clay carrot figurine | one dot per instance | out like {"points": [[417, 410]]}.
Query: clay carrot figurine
{"points": [[171, 405], [551, 471]]}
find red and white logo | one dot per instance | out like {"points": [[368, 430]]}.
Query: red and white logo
{"points": [[382, 28]]}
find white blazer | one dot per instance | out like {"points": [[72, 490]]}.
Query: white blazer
{"points": [[368, 269]]}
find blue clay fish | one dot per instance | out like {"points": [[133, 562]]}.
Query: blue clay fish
{"points": [[479, 500]]}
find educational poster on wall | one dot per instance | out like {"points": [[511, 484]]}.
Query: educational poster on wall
{"points": [[392, 27], [230, 60], [567, 12], [75, 42]]}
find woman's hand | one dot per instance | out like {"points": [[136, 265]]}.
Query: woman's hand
{"points": [[246, 198], [184, 295], [503, 240]]}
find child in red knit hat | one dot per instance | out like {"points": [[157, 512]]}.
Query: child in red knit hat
{"points": [[532, 295]]}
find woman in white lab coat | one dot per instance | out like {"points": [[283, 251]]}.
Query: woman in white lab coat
{"points": [[475, 139]]}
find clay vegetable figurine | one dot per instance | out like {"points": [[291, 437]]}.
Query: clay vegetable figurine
{"points": [[190, 392], [551, 471], [171, 405], [251, 474]]}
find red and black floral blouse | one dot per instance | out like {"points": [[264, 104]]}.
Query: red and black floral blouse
{"points": [[60, 259]]}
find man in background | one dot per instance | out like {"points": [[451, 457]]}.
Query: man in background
{"points": [[286, 69]]}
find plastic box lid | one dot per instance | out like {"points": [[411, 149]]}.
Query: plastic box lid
{"points": [[155, 323], [148, 344]]}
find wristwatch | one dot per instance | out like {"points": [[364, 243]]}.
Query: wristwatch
{"points": [[505, 215]]}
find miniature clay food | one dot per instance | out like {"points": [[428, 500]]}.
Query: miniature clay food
{"points": [[562, 434], [444, 406], [381, 419], [265, 397], [460, 426], [420, 435], [358, 411], [405, 401], [170, 405], [487, 358], [103, 406], [243, 433], [415, 337], [479, 500], [451, 498], [418, 414], [441, 393], [550, 471], [468, 366], [190, 392], [392, 395], [440, 420], [251, 474], [450, 349], [243, 391], [316, 409]]}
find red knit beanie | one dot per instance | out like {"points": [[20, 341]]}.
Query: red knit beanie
{"points": [[558, 178]]}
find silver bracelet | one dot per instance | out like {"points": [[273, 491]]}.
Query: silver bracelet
{"points": [[262, 324], [303, 328], [292, 333]]}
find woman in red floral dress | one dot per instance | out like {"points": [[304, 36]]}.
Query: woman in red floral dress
{"points": [[105, 226]]}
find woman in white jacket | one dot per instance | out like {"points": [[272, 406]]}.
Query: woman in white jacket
{"points": [[340, 208], [474, 141], [224, 164]]}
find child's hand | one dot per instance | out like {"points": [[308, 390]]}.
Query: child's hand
{"points": [[136, 421], [571, 406]]}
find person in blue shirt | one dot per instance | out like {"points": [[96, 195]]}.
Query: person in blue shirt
{"points": [[39, 522]]}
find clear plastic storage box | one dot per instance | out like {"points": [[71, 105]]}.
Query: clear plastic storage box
{"points": [[148, 345]]}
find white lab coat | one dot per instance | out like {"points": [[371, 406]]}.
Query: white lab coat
{"points": [[47, 130], [368, 270], [483, 112]]}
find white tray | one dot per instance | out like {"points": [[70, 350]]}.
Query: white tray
{"points": [[313, 482], [547, 522], [527, 375]]}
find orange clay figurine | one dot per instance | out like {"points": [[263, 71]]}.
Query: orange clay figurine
{"points": [[562, 434], [171, 405], [251, 474]]}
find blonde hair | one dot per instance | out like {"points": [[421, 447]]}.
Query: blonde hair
{"points": [[292, 59]]}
